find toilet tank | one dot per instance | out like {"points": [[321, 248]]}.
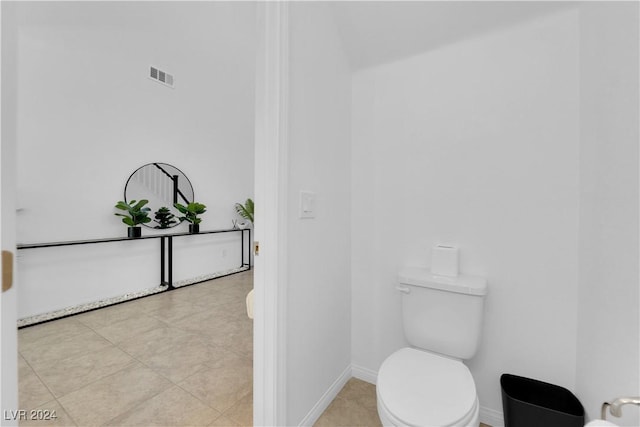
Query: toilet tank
{"points": [[442, 314]]}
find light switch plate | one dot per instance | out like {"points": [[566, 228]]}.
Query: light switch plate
{"points": [[307, 204]]}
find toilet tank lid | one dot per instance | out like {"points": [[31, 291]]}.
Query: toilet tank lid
{"points": [[417, 276]]}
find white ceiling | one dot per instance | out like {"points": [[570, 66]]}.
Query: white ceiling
{"points": [[376, 32]]}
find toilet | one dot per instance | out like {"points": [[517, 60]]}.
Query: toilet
{"points": [[427, 384]]}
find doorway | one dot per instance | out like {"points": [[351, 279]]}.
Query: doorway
{"points": [[260, 297]]}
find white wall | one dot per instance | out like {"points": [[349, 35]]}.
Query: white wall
{"points": [[88, 116], [608, 354], [318, 307], [475, 144]]}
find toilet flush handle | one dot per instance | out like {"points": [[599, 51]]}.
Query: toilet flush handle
{"points": [[403, 289]]}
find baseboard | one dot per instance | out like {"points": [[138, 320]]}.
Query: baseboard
{"points": [[491, 417], [326, 398], [364, 374]]}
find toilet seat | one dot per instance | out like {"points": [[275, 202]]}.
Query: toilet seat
{"points": [[470, 420], [417, 388]]}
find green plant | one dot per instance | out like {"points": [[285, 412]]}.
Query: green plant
{"points": [[164, 218], [137, 213], [191, 212], [246, 210]]}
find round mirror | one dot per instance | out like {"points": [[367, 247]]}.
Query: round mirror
{"points": [[163, 185]]}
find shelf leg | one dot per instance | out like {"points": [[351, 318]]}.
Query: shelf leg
{"points": [[249, 247], [170, 272], [162, 276]]}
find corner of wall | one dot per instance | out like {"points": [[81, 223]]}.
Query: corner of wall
{"points": [[323, 403]]}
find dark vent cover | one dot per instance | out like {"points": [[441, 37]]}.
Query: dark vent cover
{"points": [[161, 76]]}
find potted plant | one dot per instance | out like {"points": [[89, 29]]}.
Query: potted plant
{"points": [[137, 214], [191, 212], [246, 210], [164, 218]]}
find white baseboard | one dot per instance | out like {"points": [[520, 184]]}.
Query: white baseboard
{"points": [[326, 398], [491, 417], [364, 374]]}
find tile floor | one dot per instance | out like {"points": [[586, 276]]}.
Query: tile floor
{"points": [[181, 358], [355, 405]]}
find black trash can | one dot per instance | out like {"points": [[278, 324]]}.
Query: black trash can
{"points": [[532, 403]]}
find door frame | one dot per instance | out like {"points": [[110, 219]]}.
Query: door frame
{"points": [[270, 272], [8, 299], [271, 194]]}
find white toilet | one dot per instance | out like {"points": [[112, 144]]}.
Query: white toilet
{"points": [[427, 384]]}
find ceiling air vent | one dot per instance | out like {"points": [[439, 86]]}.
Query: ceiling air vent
{"points": [[161, 76]]}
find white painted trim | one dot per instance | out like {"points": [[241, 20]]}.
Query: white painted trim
{"points": [[491, 417], [271, 166], [364, 374], [283, 209], [8, 132], [326, 399]]}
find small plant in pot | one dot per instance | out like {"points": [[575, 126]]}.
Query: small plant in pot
{"points": [[136, 214], [245, 211], [164, 218], [191, 212]]}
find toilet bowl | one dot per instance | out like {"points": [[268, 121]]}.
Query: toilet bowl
{"points": [[418, 388], [600, 423]]}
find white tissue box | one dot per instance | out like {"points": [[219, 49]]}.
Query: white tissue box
{"points": [[444, 261]]}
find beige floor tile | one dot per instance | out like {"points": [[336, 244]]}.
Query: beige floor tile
{"points": [[232, 331], [223, 284], [241, 289], [238, 290], [242, 411], [203, 322], [355, 405], [31, 390], [171, 313], [236, 335], [155, 341], [242, 342], [181, 362], [360, 392], [63, 377], [234, 308], [227, 358], [51, 332], [223, 421], [222, 385], [47, 351], [174, 337], [193, 292], [342, 412], [213, 300], [108, 315], [49, 414], [109, 397], [172, 407], [130, 327]]}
